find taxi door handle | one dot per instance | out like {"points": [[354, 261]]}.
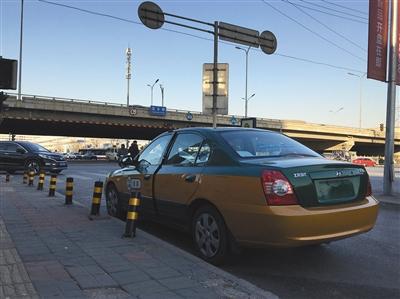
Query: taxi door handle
{"points": [[190, 178], [147, 176]]}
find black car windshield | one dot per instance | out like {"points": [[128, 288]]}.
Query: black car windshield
{"points": [[35, 147], [249, 144]]}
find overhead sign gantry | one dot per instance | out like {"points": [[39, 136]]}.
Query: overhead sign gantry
{"points": [[153, 17]]}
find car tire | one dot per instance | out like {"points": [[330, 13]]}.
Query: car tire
{"points": [[33, 165], [210, 235], [113, 202]]}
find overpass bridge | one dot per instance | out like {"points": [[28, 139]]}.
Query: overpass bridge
{"points": [[40, 115]]}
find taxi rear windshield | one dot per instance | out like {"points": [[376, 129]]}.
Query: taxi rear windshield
{"points": [[249, 144]]}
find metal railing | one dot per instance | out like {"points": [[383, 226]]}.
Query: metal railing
{"points": [[38, 97]]}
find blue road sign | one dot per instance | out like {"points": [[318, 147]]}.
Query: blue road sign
{"points": [[158, 110], [189, 116]]}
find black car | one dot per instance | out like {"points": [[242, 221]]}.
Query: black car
{"points": [[23, 155]]}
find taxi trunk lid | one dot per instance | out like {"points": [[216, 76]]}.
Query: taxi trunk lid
{"points": [[328, 183], [318, 181]]}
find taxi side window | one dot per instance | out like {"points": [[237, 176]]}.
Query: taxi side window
{"points": [[153, 153], [185, 150]]}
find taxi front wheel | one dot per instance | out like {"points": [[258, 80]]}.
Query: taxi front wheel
{"points": [[113, 202], [210, 235]]}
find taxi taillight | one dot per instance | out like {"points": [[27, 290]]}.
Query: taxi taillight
{"points": [[277, 189]]}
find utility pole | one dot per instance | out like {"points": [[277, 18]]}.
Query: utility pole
{"points": [[215, 76], [388, 174], [20, 50]]}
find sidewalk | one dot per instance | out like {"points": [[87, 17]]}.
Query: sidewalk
{"points": [[53, 250]]}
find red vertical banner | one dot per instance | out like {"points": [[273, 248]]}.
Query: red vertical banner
{"points": [[377, 39]]}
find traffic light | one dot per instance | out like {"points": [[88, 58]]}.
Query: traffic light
{"points": [[3, 97], [381, 127], [12, 137], [8, 73]]}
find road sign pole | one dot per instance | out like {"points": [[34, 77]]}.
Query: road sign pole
{"points": [[215, 75], [247, 68], [388, 176]]}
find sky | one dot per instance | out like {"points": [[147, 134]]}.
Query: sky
{"points": [[69, 53]]}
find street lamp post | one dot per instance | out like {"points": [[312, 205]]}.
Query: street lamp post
{"points": [[247, 67], [247, 100], [151, 88], [162, 95], [336, 111], [360, 112]]}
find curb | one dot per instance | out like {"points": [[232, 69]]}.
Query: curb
{"points": [[387, 199]]}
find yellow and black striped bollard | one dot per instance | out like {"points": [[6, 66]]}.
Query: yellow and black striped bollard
{"points": [[31, 177], [25, 177], [98, 189], [132, 215], [69, 187], [41, 181], [53, 182], [7, 177]]}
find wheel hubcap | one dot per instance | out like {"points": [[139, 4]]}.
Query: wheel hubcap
{"points": [[112, 201], [207, 235]]}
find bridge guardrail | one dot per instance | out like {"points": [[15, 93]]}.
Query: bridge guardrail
{"points": [[279, 124], [34, 97]]}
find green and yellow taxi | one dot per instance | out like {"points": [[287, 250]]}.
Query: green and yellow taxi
{"points": [[233, 187]]}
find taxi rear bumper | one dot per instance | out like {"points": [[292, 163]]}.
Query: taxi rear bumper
{"points": [[290, 226]]}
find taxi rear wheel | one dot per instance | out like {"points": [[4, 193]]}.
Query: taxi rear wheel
{"points": [[210, 235], [113, 202]]}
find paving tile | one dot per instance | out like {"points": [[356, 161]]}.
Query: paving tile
{"points": [[131, 276], [17, 291], [175, 283], [197, 293], [162, 272], [107, 293], [111, 267], [144, 287], [161, 295]]}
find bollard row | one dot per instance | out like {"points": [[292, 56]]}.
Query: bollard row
{"points": [[31, 178], [98, 189], [52, 188], [69, 187], [41, 181], [132, 215], [25, 177]]}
